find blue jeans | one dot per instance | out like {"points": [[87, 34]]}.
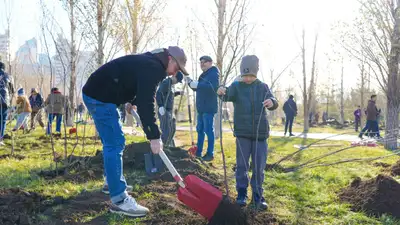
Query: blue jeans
{"points": [[58, 122], [3, 120], [205, 125], [257, 150], [107, 120], [371, 125]]}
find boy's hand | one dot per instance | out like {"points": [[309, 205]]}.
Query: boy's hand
{"points": [[221, 91], [268, 103]]}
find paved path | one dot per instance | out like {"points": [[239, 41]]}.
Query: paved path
{"points": [[327, 136]]}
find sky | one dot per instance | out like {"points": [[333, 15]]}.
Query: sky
{"points": [[275, 39]]}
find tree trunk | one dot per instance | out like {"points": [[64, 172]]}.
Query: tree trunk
{"points": [[220, 57], [362, 93], [135, 27], [72, 86], [305, 101], [393, 89], [100, 34], [342, 96]]}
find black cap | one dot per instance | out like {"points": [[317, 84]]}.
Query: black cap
{"points": [[206, 58]]}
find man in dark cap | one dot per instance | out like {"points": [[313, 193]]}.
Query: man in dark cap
{"points": [[290, 109], [134, 79], [6, 92], [206, 104]]}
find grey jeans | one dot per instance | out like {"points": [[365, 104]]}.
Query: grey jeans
{"points": [[257, 150], [168, 128]]}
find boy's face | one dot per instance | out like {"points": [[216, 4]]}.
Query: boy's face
{"points": [[248, 79]]}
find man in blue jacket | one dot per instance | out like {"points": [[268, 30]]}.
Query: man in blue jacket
{"points": [[131, 78], [290, 109], [206, 104], [165, 101]]}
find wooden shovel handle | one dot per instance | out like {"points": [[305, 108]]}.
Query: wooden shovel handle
{"points": [[172, 169]]}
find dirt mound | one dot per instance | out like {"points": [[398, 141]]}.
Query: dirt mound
{"points": [[377, 196], [17, 206], [395, 170]]}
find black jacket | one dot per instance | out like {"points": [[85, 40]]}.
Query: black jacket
{"points": [[290, 108], [131, 78]]}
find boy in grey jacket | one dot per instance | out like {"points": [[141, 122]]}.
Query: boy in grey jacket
{"points": [[250, 97]]}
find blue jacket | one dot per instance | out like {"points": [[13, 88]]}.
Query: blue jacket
{"points": [[165, 96], [290, 108], [206, 92], [37, 103], [6, 89], [250, 118]]}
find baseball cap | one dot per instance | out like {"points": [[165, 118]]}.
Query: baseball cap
{"points": [[179, 55], [206, 58]]}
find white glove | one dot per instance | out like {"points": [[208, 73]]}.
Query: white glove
{"points": [[221, 91], [156, 146], [193, 84], [161, 110], [188, 79]]}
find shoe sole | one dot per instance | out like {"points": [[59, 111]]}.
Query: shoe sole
{"points": [[108, 192], [127, 214]]}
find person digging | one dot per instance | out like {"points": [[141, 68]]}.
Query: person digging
{"points": [[165, 101], [250, 96], [131, 78]]}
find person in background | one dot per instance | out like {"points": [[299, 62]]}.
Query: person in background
{"points": [[23, 110], [357, 118], [165, 101], [324, 117], [290, 110], [122, 112], [134, 79], [55, 103], [6, 92], [250, 129], [371, 124], [136, 116], [81, 111], [37, 103], [206, 105], [316, 118]]}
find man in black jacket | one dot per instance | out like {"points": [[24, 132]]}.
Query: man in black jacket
{"points": [[134, 79], [6, 92], [290, 109]]}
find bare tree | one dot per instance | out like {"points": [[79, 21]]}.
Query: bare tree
{"points": [[138, 24], [374, 36], [308, 90], [342, 94]]}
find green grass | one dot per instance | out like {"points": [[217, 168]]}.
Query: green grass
{"points": [[308, 196]]}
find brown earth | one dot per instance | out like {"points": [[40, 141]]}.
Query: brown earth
{"points": [[377, 196], [165, 207]]}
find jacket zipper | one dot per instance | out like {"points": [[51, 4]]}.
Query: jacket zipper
{"points": [[252, 108]]}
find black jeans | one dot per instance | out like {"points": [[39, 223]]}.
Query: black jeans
{"points": [[289, 123]]}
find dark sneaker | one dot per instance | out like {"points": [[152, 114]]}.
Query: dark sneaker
{"points": [[291, 135], [259, 203], [360, 136], [208, 158], [242, 197], [106, 191], [129, 207]]}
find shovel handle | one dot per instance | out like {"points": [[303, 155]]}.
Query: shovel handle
{"points": [[172, 169]]}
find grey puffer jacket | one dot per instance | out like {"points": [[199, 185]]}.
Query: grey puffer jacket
{"points": [[6, 89], [250, 118]]}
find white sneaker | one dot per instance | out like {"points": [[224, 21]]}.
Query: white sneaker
{"points": [[2, 143], [129, 207]]}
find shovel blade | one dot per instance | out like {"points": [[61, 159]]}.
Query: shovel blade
{"points": [[200, 196]]}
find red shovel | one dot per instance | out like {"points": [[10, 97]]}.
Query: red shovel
{"points": [[195, 193]]}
